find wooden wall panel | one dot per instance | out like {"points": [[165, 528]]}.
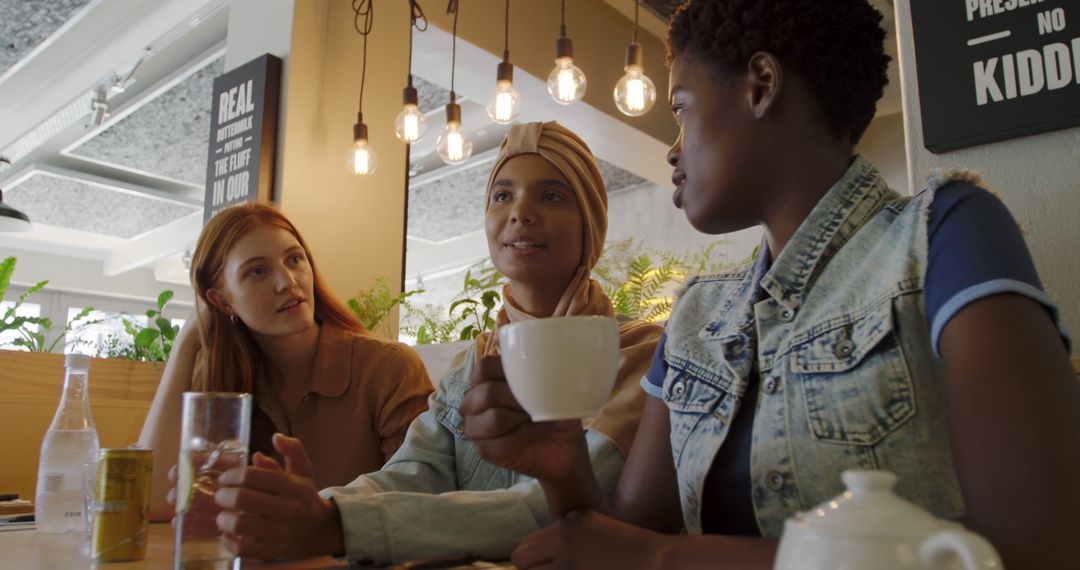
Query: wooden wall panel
{"points": [[30, 387]]}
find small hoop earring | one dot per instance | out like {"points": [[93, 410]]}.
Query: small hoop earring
{"points": [[235, 319]]}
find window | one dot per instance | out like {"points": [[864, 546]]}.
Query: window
{"points": [[61, 307], [89, 339], [108, 333]]}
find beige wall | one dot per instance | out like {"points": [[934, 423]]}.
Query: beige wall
{"points": [[883, 145], [1038, 177], [355, 226]]}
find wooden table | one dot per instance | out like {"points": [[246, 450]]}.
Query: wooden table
{"points": [[33, 550]]}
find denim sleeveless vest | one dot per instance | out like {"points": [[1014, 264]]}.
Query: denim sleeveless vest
{"points": [[848, 377]]}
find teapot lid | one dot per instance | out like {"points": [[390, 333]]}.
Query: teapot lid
{"points": [[869, 507]]}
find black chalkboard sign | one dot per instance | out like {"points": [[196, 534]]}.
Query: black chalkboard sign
{"points": [[992, 70], [243, 135]]}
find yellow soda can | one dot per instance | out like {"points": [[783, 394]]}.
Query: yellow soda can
{"points": [[121, 505]]}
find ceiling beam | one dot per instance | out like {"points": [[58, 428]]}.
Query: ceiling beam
{"points": [[154, 245], [108, 36]]}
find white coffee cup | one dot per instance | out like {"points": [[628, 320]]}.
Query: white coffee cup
{"points": [[562, 367]]}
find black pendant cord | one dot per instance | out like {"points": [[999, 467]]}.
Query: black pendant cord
{"points": [[506, 32], [637, 4], [363, 18], [416, 16], [454, 8], [562, 20]]}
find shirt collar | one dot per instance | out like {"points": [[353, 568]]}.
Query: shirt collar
{"points": [[850, 202], [736, 316], [331, 371]]}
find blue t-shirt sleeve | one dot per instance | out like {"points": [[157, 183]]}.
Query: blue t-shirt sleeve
{"points": [[975, 250], [653, 382]]}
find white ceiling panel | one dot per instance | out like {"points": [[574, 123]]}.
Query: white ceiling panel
{"points": [[75, 204]]}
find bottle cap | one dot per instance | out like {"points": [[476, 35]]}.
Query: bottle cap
{"points": [[77, 361]]}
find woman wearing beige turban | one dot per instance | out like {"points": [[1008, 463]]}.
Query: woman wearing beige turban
{"points": [[545, 219]]}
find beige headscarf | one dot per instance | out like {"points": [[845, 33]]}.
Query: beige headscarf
{"points": [[569, 154]]}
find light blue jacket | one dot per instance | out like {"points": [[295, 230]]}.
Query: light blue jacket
{"points": [[848, 377], [437, 497]]}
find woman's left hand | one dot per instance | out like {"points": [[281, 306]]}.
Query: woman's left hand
{"points": [[271, 513], [586, 539]]}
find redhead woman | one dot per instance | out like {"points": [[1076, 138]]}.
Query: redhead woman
{"points": [[545, 218], [268, 325]]}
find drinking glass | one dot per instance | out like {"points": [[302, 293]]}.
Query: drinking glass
{"points": [[213, 439]]}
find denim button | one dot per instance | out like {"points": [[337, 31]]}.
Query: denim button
{"points": [[774, 481], [844, 348], [678, 388], [771, 384], [787, 315]]}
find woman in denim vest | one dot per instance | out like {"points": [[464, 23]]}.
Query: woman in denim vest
{"points": [[872, 331]]}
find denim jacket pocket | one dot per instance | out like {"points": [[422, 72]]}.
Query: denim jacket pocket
{"points": [[854, 378], [690, 401]]}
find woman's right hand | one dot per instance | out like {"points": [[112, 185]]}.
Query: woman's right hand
{"points": [[505, 435]]}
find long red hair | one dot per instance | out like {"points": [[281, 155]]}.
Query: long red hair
{"points": [[230, 360]]}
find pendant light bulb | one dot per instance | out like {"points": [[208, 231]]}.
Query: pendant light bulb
{"points": [[362, 159], [566, 82], [453, 146], [411, 123], [504, 102], [635, 93]]}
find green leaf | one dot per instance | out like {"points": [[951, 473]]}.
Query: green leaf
{"points": [[150, 313], [146, 337], [129, 327], [458, 303], [467, 333], [7, 268], [170, 332], [164, 298], [37, 341], [489, 298], [85, 312], [163, 324], [33, 289]]}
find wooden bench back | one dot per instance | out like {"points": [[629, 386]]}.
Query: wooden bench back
{"points": [[30, 387]]}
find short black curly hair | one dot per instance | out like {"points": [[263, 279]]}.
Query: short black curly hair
{"points": [[836, 46]]}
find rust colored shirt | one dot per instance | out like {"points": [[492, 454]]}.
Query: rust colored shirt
{"points": [[364, 393]]}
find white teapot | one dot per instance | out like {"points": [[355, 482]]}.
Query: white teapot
{"points": [[869, 527]]}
